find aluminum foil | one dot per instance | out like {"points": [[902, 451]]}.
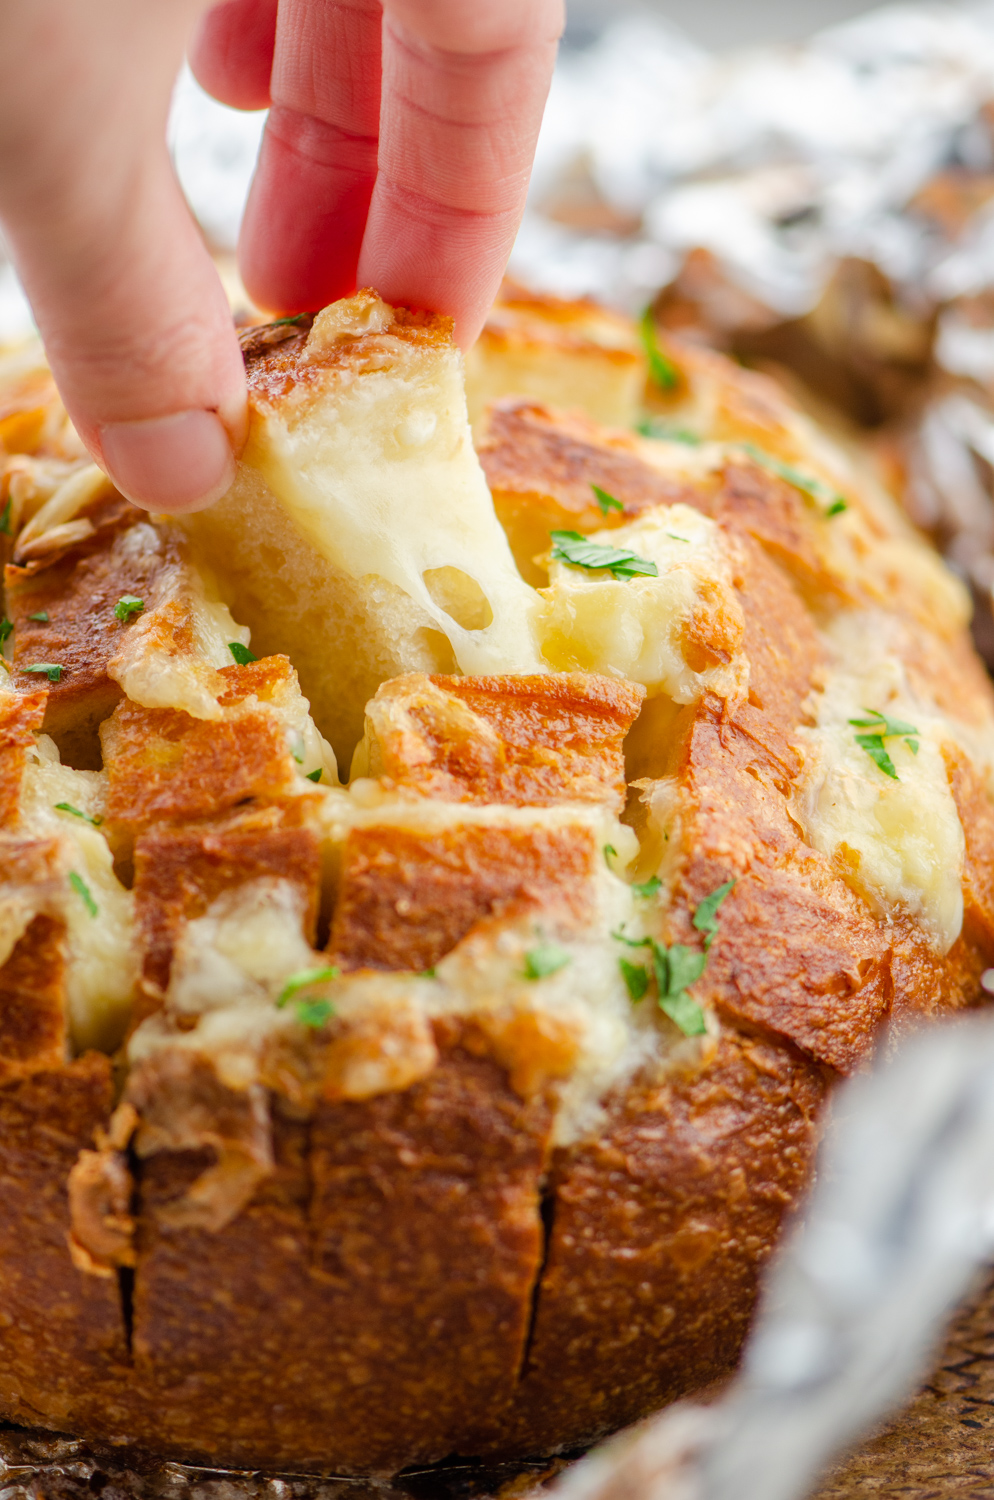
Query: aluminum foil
{"points": [[857, 1298]]}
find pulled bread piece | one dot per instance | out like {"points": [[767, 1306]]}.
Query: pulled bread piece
{"points": [[359, 536], [473, 1091]]}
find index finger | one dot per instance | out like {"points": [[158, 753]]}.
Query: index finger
{"points": [[463, 90]]}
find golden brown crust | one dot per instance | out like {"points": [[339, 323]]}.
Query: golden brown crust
{"points": [[353, 1281], [541, 468], [21, 717], [33, 1027], [179, 871], [164, 765], [63, 1343], [78, 590], [407, 896], [528, 741], [659, 1228], [278, 359]]}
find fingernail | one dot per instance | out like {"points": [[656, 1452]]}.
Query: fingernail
{"points": [[177, 463]]}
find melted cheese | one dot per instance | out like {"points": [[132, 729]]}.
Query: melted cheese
{"points": [[169, 654], [899, 843], [644, 628], [579, 1025], [101, 972], [375, 466]]}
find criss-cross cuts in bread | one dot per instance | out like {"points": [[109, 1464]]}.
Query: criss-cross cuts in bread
{"points": [[402, 1125]]}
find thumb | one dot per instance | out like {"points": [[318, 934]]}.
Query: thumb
{"points": [[132, 312]]}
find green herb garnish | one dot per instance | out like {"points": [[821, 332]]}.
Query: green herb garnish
{"points": [[303, 980], [654, 427], [314, 775], [685, 1013], [882, 729], [662, 370], [293, 322], [705, 918], [52, 670], [806, 483], [570, 547], [636, 979], [5, 518], [41, 616], [675, 968], [610, 852], [6, 631], [241, 653], [314, 1012], [68, 808], [545, 960], [605, 501], [647, 888], [127, 607], [82, 890], [426, 974]]}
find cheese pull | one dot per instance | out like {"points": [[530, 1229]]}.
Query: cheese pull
{"points": [[360, 530]]}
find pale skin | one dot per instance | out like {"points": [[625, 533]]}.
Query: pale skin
{"points": [[397, 156]]}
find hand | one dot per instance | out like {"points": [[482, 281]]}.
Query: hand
{"points": [[396, 156]]}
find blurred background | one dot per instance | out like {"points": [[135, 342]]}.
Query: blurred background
{"points": [[718, 23]]}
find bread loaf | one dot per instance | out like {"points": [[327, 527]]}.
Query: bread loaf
{"points": [[439, 889]]}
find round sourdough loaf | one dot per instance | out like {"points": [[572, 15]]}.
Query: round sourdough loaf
{"points": [[452, 1105]]}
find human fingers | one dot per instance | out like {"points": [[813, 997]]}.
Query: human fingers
{"points": [[307, 208], [232, 52], [133, 316], [464, 87]]}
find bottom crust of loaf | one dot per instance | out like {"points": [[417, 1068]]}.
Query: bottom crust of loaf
{"points": [[421, 1275]]}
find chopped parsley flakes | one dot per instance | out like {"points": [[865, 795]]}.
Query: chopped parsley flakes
{"points": [[294, 322], [313, 1012], [314, 775], [52, 670], [82, 890], [636, 979], [545, 960], [606, 502], [41, 616], [655, 427], [127, 607], [303, 980], [67, 807], [676, 968], [648, 887], [5, 518], [610, 852], [241, 653], [881, 728], [806, 483], [705, 918], [570, 547], [6, 631], [662, 370]]}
